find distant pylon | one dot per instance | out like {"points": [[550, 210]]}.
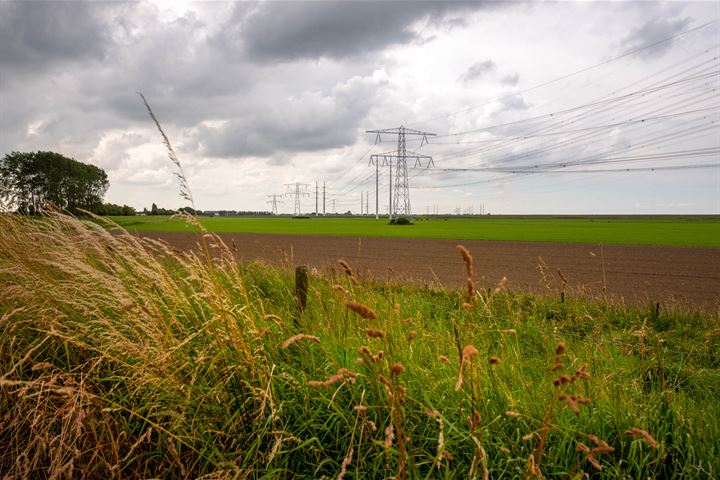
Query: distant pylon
{"points": [[298, 193], [401, 200], [275, 202]]}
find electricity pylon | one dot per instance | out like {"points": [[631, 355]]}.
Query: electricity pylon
{"points": [[298, 193], [275, 202], [400, 204]]}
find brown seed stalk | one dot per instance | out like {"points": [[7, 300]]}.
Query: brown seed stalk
{"points": [[362, 310]]}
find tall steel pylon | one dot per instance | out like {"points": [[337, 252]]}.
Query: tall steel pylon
{"points": [[300, 191], [275, 202], [400, 201]]}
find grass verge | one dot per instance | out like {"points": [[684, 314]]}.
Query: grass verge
{"points": [[121, 358]]}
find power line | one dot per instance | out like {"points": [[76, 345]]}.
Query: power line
{"points": [[275, 202], [577, 72], [300, 191], [401, 200]]}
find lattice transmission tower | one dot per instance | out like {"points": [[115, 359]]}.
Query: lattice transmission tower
{"points": [[400, 200], [275, 202], [300, 191]]}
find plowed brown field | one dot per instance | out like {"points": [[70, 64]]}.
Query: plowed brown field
{"points": [[679, 276]]}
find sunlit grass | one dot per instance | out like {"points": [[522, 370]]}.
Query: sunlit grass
{"points": [[676, 231], [120, 358]]}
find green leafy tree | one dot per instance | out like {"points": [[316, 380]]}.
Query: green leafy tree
{"points": [[117, 210], [31, 180]]}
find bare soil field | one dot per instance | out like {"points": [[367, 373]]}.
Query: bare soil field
{"points": [[674, 276]]}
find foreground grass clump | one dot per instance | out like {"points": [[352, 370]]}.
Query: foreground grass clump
{"points": [[121, 358]]}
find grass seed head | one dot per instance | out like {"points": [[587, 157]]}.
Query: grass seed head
{"points": [[296, 338], [469, 351], [467, 258], [593, 461], [346, 267], [470, 289], [362, 310], [373, 333], [397, 369], [635, 432], [494, 360]]}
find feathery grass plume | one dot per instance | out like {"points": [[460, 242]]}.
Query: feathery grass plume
{"points": [[467, 258], [348, 271], [501, 285], [470, 290], [373, 333], [362, 310], [563, 279], [468, 352], [635, 432], [443, 359], [511, 413], [389, 435], [180, 174], [396, 369], [563, 379], [571, 403], [601, 448], [345, 463], [342, 375], [508, 331], [300, 336], [342, 290], [434, 414]]}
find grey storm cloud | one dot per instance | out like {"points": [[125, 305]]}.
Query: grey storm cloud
{"points": [[308, 122], [334, 29], [36, 34], [652, 32], [477, 70]]}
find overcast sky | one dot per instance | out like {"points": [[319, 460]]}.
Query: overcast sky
{"points": [[257, 95]]}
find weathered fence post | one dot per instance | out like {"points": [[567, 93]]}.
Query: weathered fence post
{"points": [[301, 286]]}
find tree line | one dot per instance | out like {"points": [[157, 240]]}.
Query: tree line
{"points": [[32, 181], [29, 181]]}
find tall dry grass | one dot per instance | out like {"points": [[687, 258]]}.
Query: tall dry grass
{"points": [[123, 358]]}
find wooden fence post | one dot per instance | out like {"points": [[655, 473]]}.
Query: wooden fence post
{"points": [[301, 286]]}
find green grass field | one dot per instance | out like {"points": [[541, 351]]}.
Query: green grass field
{"points": [[689, 231], [122, 359]]}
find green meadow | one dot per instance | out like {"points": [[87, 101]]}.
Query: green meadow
{"points": [[122, 359], [674, 231]]}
